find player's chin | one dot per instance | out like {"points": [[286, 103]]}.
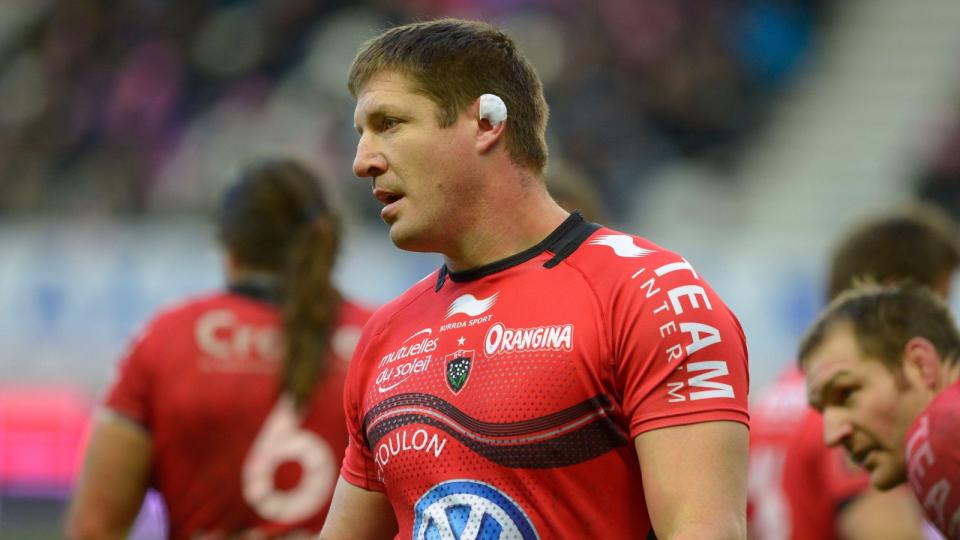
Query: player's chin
{"points": [[887, 472], [407, 236]]}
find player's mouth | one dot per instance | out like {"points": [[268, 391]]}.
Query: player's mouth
{"points": [[861, 457], [389, 198]]}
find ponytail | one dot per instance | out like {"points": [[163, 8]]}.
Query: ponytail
{"points": [[309, 307], [276, 219]]}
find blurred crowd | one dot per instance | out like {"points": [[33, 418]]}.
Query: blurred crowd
{"points": [[139, 106]]}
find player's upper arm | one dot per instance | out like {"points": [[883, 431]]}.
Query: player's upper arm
{"points": [[114, 480], [695, 480], [679, 355], [356, 513]]}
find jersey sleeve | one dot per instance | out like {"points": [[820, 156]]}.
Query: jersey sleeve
{"points": [[679, 353], [130, 395], [358, 466]]}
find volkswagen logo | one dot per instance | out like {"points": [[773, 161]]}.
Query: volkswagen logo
{"points": [[470, 510]]}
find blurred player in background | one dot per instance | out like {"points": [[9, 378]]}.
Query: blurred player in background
{"points": [[882, 365], [230, 404], [800, 489], [519, 391], [572, 190]]}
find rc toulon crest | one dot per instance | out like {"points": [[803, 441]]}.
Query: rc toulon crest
{"points": [[458, 364]]}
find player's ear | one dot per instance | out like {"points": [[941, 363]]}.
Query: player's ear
{"points": [[491, 114], [922, 362]]}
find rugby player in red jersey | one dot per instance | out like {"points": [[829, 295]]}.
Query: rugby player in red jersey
{"points": [[229, 404], [554, 378], [799, 488], [882, 364]]}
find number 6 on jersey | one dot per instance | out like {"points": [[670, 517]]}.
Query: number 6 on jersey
{"points": [[282, 441]]}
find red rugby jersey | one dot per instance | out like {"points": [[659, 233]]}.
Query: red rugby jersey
{"points": [[504, 400], [933, 461], [796, 484], [228, 455]]}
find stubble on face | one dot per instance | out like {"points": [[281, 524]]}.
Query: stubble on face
{"points": [[874, 410], [887, 430], [404, 134], [430, 165]]}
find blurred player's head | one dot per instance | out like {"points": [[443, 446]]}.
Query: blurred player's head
{"points": [[918, 242], [874, 359], [572, 190], [453, 62], [277, 226]]}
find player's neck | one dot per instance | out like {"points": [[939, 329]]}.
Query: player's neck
{"points": [[510, 224], [952, 374]]}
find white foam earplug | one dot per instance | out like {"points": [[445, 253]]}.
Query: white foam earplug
{"points": [[493, 109]]}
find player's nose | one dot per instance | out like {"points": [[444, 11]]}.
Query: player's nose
{"points": [[836, 426], [369, 161]]}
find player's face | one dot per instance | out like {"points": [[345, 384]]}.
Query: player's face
{"points": [[866, 407], [420, 171]]}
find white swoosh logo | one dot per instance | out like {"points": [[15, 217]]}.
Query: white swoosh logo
{"points": [[428, 331], [622, 245], [383, 389], [470, 305]]}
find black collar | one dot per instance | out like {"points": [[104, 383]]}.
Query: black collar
{"points": [[263, 292], [563, 241]]}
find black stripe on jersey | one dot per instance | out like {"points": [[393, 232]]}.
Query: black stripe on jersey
{"points": [[563, 241], [490, 429], [567, 437]]}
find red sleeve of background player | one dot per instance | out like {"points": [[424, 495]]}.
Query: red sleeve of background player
{"points": [[933, 461], [680, 353], [358, 465], [130, 394]]}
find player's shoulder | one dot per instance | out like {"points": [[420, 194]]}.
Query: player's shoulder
{"points": [[405, 301], [933, 458], [181, 309], [939, 420], [171, 319], [612, 262], [354, 312], [944, 411], [608, 250], [948, 400], [185, 312]]}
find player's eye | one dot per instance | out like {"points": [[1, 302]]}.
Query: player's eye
{"points": [[390, 123], [843, 395]]}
